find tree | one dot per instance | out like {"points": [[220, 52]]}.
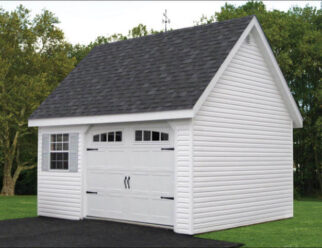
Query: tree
{"points": [[295, 37], [80, 51], [33, 59]]}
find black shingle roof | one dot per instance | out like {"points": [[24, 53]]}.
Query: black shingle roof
{"points": [[166, 71]]}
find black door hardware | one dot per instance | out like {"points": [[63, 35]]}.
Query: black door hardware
{"points": [[91, 192], [167, 149], [92, 149], [167, 197], [125, 178], [128, 182]]}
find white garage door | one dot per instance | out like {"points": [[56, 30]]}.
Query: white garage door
{"points": [[130, 174]]}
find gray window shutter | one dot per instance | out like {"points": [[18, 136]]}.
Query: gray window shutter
{"points": [[45, 154], [73, 152]]}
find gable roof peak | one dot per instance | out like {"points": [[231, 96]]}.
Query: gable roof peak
{"points": [[160, 72]]}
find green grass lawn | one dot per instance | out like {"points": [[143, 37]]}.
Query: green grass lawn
{"points": [[13, 207], [304, 230]]}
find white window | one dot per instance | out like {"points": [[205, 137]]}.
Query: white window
{"points": [[147, 135], [59, 151], [115, 136]]}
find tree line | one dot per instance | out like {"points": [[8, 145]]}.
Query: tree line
{"points": [[35, 58]]}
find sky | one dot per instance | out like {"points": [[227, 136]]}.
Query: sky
{"points": [[83, 21]]}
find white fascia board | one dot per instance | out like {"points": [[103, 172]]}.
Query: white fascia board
{"points": [[99, 119], [294, 111]]}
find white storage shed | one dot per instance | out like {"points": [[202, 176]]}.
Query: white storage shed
{"points": [[190, 129]]}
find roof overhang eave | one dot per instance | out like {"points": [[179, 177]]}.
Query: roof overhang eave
{"points": [[115, 118]]}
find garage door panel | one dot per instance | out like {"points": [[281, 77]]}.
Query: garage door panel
{"points": [[139, 209], [103, 180], [162, 183], [130, 179], [155, 159], [138, 159], [159, 212], [140, 183], [96, 158], [97, 206], [104, 158], [151, 183], [116, 159], [165, 159]]}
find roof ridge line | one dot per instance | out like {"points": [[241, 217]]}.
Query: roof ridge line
{"points": [[174, 30]]}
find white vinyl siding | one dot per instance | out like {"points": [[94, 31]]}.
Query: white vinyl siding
{"points": [[242, 148], [183, 177], [60, 192]]}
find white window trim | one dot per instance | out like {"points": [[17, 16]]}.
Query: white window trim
{"points": [[62, 151]]}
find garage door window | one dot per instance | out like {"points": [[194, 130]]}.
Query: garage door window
{"points": [[59, 151], [115, 136], [147, 135]]}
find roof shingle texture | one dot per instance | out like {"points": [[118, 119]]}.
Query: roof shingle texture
{"points": [[166, 71]]}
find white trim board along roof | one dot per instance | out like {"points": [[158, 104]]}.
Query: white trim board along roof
{"points": [[176, 99]]}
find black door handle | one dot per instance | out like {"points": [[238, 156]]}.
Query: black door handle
{"points": [[125, 178], [92, 149], [128, 182], [167, 149]]}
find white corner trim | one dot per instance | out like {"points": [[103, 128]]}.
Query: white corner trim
{"points": [[191, 174], [150, 116], [291, 105]]}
